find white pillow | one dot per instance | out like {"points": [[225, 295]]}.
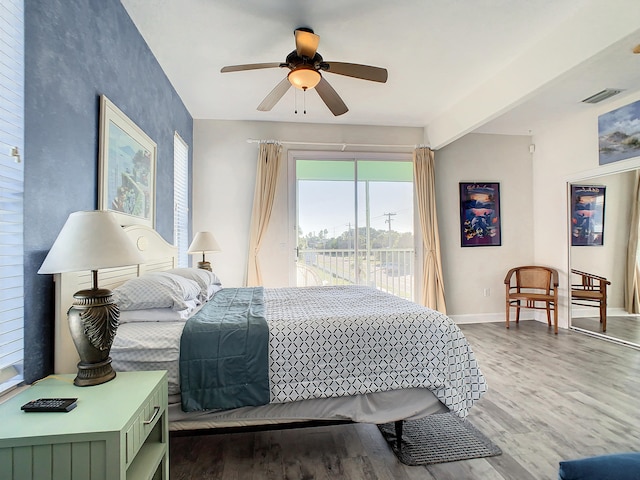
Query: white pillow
{"points": [[160, 314], [156, 290], [189, 287], [206, 279]]}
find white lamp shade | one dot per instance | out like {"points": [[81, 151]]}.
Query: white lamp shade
{"points": [[203, 242], [91, 240]]}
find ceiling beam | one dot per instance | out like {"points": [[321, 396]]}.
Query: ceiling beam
{"points": [[591, 30]]}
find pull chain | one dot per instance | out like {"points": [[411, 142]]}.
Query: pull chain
{"points": [[304, 100]]}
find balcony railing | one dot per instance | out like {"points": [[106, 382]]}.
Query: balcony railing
{"points": [[388, 269]]}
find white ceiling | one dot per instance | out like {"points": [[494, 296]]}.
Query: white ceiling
{"points": [[496, 66]]}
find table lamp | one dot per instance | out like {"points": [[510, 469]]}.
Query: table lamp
{"points": [[203, 242], [90, 241]]}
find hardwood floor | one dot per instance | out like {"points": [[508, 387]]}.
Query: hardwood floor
{"points": [[625, 327], [551, 397]]}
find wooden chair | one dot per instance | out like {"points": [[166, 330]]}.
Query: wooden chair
{"points": [[528, 287], [591, 292]]}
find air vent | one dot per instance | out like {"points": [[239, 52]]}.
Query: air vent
{"points": [[603, 95]]}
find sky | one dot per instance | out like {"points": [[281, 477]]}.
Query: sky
{"points": [[330, 205]]}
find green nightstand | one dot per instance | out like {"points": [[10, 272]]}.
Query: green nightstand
{"points": [[119, 430]]}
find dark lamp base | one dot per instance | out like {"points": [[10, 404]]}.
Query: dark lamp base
{"points": [[93, 321], [205, 265], [94, 373]]}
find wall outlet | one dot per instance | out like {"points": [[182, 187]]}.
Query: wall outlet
{"points": [[486, 292]]}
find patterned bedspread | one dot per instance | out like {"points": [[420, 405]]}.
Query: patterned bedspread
{"points": [[332, 341], [344, 340]]}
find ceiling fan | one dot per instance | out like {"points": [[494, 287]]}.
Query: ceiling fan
{"points": [[305, 65]]}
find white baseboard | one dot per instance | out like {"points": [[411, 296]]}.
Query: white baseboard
{"points": [[593, 312], [489, 317], [532, 315]]}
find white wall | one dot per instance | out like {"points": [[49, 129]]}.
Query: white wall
{"points": [[223, 185], [224, 167], [533, 199], [468, 271], [568, 150]]}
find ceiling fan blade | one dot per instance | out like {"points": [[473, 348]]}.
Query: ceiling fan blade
{"points": [[274, 95], [355, 70], [331, 98], [249, 66], [306, 43]]}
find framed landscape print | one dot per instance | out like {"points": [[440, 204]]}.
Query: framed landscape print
{"points": [[127, 168], [587, 215], [480, 214], [618, 134]]}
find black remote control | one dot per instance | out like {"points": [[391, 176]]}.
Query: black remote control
{"points": [[50, 405]]}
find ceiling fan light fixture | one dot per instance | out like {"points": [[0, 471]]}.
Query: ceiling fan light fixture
{"points": [[304, 77], [305, 65]]}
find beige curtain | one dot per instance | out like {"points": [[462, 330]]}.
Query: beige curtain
{"points": [[266, 179], [432, 283], [631, 300]]}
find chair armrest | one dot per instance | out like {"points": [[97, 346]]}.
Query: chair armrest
{"points": [[507, 278], [589, 275]]}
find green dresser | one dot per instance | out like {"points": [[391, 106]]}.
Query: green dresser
{"points": [[119, 430]]}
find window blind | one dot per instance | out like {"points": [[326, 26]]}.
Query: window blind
{"points": [[11, 193], [181, 198]]}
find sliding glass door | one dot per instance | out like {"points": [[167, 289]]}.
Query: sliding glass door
{"points": [[354, 222]]}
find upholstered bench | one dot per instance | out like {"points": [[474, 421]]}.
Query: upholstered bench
{"points": [[619, 466]]}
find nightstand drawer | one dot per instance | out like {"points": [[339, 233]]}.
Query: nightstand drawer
{"points": [[143, 424]]}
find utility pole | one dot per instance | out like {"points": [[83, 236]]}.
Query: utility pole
{"points": [[388, 220]]}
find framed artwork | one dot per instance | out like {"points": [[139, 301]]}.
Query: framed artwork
{"points": [[587, 215], [127, 168], [480, 214], [618, 134]]}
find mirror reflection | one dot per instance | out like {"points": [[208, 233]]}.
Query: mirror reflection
{"points": [[603, 257]]}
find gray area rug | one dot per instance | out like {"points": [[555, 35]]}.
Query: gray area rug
{"points": [[439, 438]]}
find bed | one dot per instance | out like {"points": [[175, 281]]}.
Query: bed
{"points": [[332, 353]]}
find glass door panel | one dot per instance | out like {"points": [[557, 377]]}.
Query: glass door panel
{"points": [[385, 226], [355, 224], [326, 222]]}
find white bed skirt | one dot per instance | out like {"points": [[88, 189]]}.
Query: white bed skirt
{"points": [[380, 407]]}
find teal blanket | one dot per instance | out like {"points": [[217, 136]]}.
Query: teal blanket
{"points": [[224, 352]]}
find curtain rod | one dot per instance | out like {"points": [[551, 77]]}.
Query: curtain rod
{"points": [[336, 144]]}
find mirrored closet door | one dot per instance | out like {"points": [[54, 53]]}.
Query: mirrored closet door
{"points": [[603, 248]]}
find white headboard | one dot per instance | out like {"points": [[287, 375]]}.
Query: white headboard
{"points": [[158, 254]]}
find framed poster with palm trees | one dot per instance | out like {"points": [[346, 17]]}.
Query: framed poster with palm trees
{"points": [[480, 214]]}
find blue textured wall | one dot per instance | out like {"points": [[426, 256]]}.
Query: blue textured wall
{"points": [[76, 50]]}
